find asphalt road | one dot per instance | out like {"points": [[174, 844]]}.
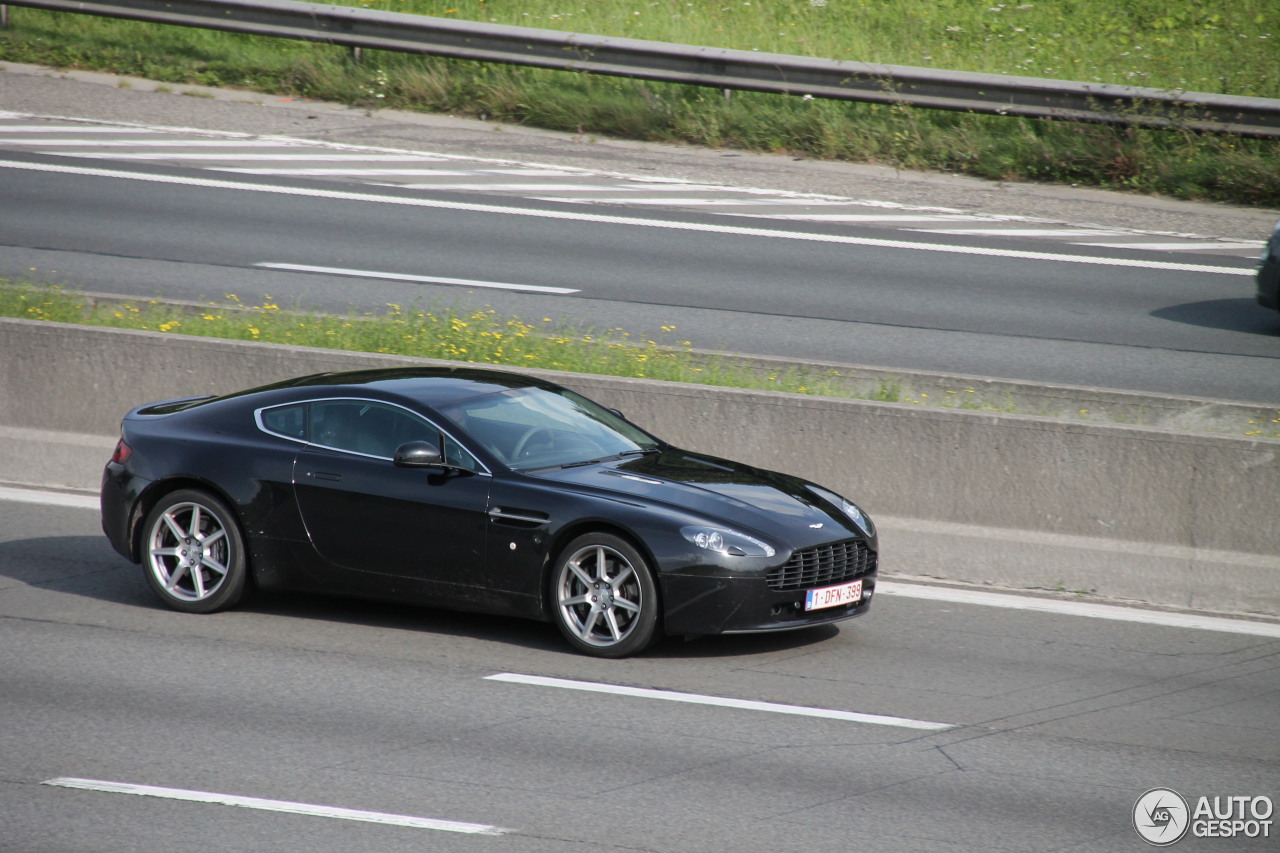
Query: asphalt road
{"points": [[807, 291], [1048, 726], [1172, 322], [1056, 724]]}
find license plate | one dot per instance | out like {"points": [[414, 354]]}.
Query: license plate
{"points": [[833, 596]]}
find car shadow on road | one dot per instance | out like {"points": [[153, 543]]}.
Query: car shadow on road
{"points": [[86, 566], [1236, 315]]}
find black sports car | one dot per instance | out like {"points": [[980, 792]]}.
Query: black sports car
{"points": [[475, 490]]}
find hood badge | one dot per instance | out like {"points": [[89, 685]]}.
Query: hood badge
{"points": [[816, 526]]}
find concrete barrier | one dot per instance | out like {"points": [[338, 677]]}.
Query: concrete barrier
{"points": [[1172, 518]]}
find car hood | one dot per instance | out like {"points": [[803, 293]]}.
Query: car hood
{"points": [[788, 508]]}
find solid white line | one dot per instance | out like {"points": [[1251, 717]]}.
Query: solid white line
{"points": [[222, 157], [931, 593], [560, 188], [77, 129], [720, 701], [1174, 247], [426, 279], [151, 143], [45, 498], [1023, 232], [754, 201], [275, 805], [1080, 608], [608, 219], [868, 217], [443, 173]]}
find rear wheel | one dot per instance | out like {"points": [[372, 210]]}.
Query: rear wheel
{"points": [[603, 596], [193, 553]]}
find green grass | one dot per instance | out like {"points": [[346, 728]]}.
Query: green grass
{"points": [[482, 336], [1229, 50], [476, 335]]}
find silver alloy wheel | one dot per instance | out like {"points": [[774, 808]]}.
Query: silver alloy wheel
{"points": [[188, 552], [599, 595]]}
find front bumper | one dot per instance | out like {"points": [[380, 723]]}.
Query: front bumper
{"points": [[698, 604]]}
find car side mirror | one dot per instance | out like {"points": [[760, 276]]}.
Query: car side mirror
{"points": [[418, 454]]}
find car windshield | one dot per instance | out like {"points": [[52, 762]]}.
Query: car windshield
{"points": [[531, 428]]}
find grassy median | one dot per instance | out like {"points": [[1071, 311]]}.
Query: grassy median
{"points": [[472, 334], [1222, 48], [482, 336]]}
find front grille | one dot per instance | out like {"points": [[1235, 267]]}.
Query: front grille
{"points": [[824, 565]]}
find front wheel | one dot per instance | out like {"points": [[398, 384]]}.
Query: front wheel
{"points": [[193, 553], [603, 596]]}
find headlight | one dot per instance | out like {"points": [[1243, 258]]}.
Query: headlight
{"points": [[724, 541], [859, 517]]}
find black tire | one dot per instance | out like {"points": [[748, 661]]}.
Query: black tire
{"points": [[193, 553], [603, 597]]}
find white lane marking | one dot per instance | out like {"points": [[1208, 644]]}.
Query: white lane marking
{"points": [[869, 217], [151, 143], [447, 173], [425, 279], [46, 498], [76, 129], [275, 805], [1011, 601], [1080, 608], [1024, 232], [720, 701], [607, 219], [1219, 244], [223, 157], [560, 188], [755, 201]]}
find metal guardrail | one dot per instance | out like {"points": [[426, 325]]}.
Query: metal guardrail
{"points": [[704, 66]]}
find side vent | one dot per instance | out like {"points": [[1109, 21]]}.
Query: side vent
{"points": [[516, 517]]}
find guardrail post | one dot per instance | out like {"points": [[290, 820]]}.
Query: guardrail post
{"points": [[356, 54], [4, 17]]}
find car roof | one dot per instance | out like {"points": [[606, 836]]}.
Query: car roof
{"points": [[433, 386], [427, 385]]}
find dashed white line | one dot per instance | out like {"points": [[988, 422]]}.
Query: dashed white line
{"points": [[424, 279], [719, 701], [274, 805]]}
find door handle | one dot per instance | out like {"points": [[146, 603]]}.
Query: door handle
{"points": [[324, 475]]}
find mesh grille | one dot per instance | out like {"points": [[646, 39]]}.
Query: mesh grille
{"points": [[824, 565]]}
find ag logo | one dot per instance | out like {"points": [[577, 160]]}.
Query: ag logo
{"points": [[1161, 816]]}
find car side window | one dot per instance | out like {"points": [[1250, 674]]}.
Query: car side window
{"points": [[361, 426], [289, 421], [377, 429]]}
